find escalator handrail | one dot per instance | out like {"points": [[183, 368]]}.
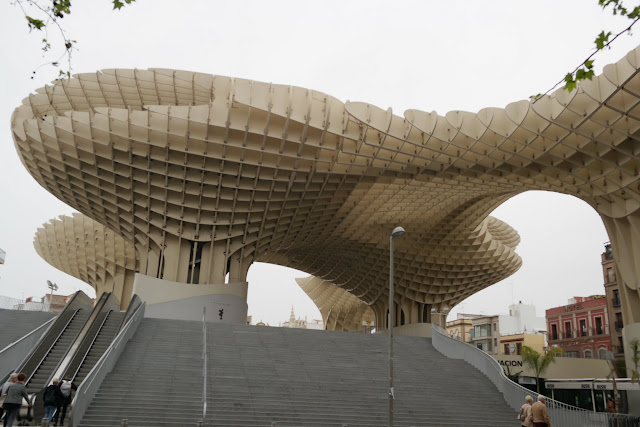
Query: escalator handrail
{"points": [[95, 337], [51, 346]]}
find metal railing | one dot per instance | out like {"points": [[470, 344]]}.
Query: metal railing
{"points": [[205, 358], [103, 366], [514, 394], [14, 353]]}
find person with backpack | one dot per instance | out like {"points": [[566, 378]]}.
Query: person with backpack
{"points": [[524, 415], [52, 398], [66, 387]]}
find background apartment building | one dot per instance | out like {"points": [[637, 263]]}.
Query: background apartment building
{"points": [[614, 311], [507, 333], [460, 328], [580, 328]]}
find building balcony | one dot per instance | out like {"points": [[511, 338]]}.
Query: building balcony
{"points": [[615, 302], [618, 349]]}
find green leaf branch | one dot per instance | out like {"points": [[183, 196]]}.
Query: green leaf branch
{"points": [[584, 71], [43, 14]]}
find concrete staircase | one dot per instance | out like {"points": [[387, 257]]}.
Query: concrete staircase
{"points": [[260, 375], [157, 381], [17, 323]]}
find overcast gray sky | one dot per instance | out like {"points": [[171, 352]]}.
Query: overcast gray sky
{"points": [[442, 56]]}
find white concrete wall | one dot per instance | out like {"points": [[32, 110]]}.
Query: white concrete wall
{"points": [[226, 303]]}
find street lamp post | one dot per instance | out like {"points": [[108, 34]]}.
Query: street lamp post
{"points": [[53, 287], [397, 232]]}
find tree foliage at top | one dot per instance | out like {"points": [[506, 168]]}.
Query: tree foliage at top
{"points": [[41, 15], [584, 71]]}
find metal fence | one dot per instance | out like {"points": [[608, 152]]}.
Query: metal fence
{"points": [[514, 394], [9, 303]]}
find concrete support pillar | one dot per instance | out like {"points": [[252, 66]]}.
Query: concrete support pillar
{"points": [[624, 233], [218, 269], [127, 289], [239, 267]]}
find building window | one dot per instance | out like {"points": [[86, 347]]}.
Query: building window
{"points": [[583, 327], [602, 353], [519, 348], [567, 330], [554, 332], [588, 354], [506, 349], [615, 301], [618, 321], [495, 327], [571, 354], [483, 331], [599, 328]]}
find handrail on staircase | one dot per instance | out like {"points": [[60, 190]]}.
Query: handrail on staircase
{"points": [[514, 394], [205, 357]]}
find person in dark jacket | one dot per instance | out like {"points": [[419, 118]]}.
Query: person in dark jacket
{"points": [[52, 398], [66, 387], [13, 402]]}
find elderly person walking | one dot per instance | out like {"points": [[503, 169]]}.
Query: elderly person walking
{"points": [[525, 417], [13, 402], [540, 413], [3, 395]]}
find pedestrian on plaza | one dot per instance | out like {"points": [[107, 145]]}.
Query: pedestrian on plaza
{"points": [[52, 398], [525, 417], [13, 402], [66, 388], [3, 394], [540, 413]]}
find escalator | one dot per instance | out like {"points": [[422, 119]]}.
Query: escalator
{"points": [[102, 333], [39, 377], [55, 343]]}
